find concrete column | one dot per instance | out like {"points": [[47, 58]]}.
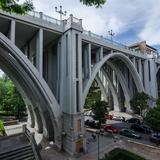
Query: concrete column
{"points": [[58, 70], [98, 55], [101, 53], [89, 60], [153, 80], [73, 120], [39, 51], [31, 119], [146, 76], [38, 121], [134, 61], [12, 31], [140, 69]]}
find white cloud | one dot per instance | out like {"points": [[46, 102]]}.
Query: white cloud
{"points": [[151, 31]]}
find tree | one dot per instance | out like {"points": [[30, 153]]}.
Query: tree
{"points": [[93, 96], [97, 3], [100, 110], [11, 101], [152, 118], [2, 129], [139, 102], [13, 6]]}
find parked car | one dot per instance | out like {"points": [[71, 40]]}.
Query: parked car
{"points": [[90, 118], [110, 128], [155, 138], [133, 120], [89, 113], [129, 133], [92, 123], [109, 116], [141, 128], [118, 118]]}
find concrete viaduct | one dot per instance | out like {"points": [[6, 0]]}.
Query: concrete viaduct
{"points": [[54, 63]]}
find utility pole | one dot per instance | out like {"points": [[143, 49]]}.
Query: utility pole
{"points": [[111, 34], [62, 13]]}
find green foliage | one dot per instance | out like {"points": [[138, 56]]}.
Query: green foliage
{"points": [[11, 101], [152, 118], [12, 6], [93, 96], [2, 129], [96, 3], [139, 102], [158, 102], [121, 154], [100, 110]]}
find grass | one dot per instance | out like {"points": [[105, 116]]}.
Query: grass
{"points": [[121, 154]]}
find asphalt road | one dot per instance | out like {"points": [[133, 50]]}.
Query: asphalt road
{"points": [[120, 125]]}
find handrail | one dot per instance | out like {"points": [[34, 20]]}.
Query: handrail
{"points": [[44, 17], [31, 138]]}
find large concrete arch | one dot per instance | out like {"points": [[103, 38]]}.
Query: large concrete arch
{"points": [[34, 87], [98, 66], [36, 119], [123, 84]]}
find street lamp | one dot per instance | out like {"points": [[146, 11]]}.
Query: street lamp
{"points": [[111, 34], [62, 13], [98, 132]]}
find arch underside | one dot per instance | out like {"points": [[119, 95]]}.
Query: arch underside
{"points": [[33, 89], [106, 61]]}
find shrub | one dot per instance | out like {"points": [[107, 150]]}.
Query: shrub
{"points": [[2, 130], [121, 154]]}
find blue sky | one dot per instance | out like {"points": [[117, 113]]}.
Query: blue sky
{"points": [[131, 20]]}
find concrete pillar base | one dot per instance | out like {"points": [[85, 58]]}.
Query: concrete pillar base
{"points": [[73, 140]]}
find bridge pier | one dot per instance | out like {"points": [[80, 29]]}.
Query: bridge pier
{"points": [[71, 88]]}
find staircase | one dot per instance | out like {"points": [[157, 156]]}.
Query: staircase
{"points": [[19, 147], [22, 153]]}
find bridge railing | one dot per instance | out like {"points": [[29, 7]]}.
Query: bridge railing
{"points": [[90, 34], [44, 17]]}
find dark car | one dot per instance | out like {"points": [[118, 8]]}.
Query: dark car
{"points": [[141, 128], [129, 133], [155, 138], [92, 124], [133, 120]]}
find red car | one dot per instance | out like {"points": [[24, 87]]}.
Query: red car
{"points": [[110, 128], [109, 116]]}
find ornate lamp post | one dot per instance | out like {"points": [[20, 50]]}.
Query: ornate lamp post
{"points": [[61, 12], [111, 34], [98, 132]]}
